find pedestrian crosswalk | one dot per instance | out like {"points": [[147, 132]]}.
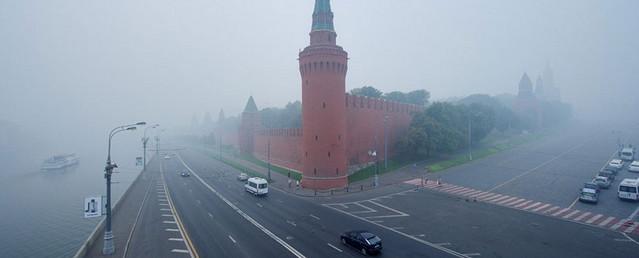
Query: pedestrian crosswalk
{"points": [[584, 217]]}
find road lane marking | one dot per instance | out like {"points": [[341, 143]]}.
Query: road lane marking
{"points": [[233, 240], [162, 200], [189, 245], [164, 204], [473, 254], [594, 218], [560, 212], [632, 216], [176, 239], [537, 167], [210, 215], [571, 214], [551, 209], [377, 221], [292, 223], [339, 250], [465, 191], [523, 204], [541, 207], [167, 215], [169, 222], [244, 215], [631, 228], [618, 224], [484, 195], [180, 251], [498, 199], [606, 221], [532, 206], [171, 229], [457, 191], [515, 202], [582, 216], [259, 205], [315, 217], [165, 209], [440, 248], [443, 244]]}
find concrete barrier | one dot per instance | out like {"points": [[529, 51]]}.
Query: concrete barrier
{"points": [[95, 233]]}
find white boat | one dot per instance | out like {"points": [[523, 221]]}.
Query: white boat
{"points": [[60, 161]]}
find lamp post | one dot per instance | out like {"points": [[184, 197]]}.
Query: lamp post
{"points": [[470, 142], [145, 139], [385, 144], [108, 248], [268, 151], [373, 153]]}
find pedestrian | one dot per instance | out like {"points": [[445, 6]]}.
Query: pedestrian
{"points": [[297, 184], [289, 183]]}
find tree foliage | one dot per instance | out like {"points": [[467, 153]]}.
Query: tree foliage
{"points": [[417, 97], [368, 91], [288, 117]]}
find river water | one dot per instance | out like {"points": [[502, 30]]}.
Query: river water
{"points": [[41, 213]]}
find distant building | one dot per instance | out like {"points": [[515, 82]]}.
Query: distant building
{"points": [[526, 105], [338, 130]]}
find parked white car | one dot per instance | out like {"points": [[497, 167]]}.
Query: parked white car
{"points": [[242, 176], [634, 166], [627, 154], [616, 163]]}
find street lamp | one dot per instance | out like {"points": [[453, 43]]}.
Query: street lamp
{"points": [[470, 142], [108, 248], [373, 153], [385, 144], [145, 139]]}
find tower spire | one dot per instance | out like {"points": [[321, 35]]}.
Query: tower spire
{"points": [[323, 16]]}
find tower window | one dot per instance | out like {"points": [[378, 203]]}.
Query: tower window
{"points": [[316, 137], [306, 154], [339, 137], [315, 171], [323, 104], [336, 171], [329, 154]]}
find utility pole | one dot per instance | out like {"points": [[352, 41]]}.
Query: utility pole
{"points": [[385, 144], [268, 151], [470, 142]]}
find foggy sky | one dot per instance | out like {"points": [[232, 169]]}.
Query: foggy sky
{"points": [[70, 65]]}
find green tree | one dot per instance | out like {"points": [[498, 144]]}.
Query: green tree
{"points": [[368, 91], [418, 97]]}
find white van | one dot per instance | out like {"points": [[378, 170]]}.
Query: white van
{"points": [[629, 189], [256, 186], [627, 154]]}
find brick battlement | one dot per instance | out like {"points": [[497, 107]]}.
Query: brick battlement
{"points": [[389, 106], [295, 132]]}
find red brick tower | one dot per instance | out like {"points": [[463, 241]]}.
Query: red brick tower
{"points": [[248, 125], [323, 66]]}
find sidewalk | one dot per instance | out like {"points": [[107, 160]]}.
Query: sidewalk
{"points": [[280, 181]]}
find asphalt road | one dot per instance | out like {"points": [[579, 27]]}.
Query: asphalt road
{"points": [[308, 228], [553, 169]]}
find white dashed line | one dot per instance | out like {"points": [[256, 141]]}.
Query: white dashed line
{"points": [[180, 251], [315, 217], [167, 215], [233, 240], [172, 230], [176, 239], [168, 222], [164, 209], [618, 224], [332, 246], [259, 205]]}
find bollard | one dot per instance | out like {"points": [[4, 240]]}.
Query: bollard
{"points": [[315, 192], [361, 187], [331, 191], [347, 189]]}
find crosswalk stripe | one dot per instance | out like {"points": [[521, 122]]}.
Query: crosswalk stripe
{"points": [[582, 216], [458, 190], [541, 207], [571, 214], [471, 192], [523, 204], [502, 201], [450, 189], [560, 212], [515, 202], [594, 218], [618, 224], [631, 228], [551, 209], [463, 192], [606, 221], [496, 196], [500, 198], [532, 206]]}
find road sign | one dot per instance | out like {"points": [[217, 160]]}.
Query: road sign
{"points": [[92, 207]]}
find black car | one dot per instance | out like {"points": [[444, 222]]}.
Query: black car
{"points": [[364, 241]]}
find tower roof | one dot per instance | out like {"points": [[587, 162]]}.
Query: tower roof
{"points": [[322, 16], [525, 86], [250, 105]]}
